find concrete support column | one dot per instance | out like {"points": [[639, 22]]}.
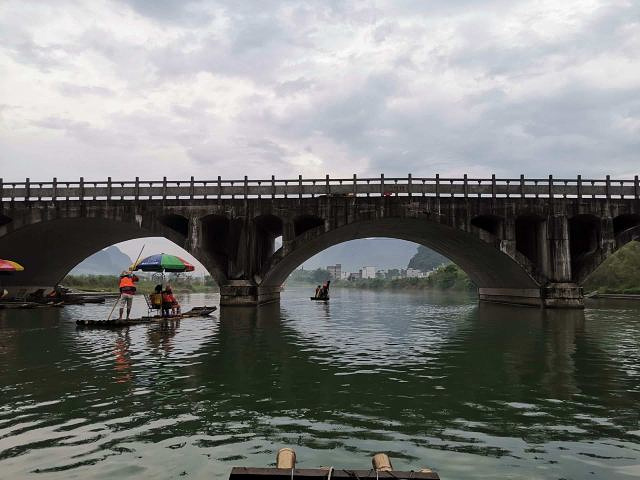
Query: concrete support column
{"points": [[508, 240], [561, 291], [247, 293], [288, 235], [559, 253]]}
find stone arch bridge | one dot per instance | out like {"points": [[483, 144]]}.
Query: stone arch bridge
{"points": [[522, 241]]}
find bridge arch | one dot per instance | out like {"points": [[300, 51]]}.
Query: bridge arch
{"points": [[485, 265], [47, 262]]}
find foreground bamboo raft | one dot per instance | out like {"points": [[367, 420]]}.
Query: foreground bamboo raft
{"points": [[286, 462], [116, 323]]}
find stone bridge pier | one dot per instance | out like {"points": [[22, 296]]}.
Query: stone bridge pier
{"points": [[522, 242]]}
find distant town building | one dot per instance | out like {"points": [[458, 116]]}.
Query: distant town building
{"points": [[355, 276], [344, 276], [335, 271], [414, 273], [368, 272]]}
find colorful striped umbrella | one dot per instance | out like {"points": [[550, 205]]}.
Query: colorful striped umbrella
{"points": [[7, 266], [164, 263]]}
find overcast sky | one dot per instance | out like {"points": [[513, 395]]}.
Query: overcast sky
{"points": [[129, 88], [233, 88]]}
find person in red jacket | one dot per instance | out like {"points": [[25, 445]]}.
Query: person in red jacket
{"points": [[127, 291], [169, 302]]}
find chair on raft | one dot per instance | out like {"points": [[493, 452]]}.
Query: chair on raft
{"points": [[154, 303]]}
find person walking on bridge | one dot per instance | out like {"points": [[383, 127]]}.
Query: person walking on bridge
{"points": [[127, 291]]}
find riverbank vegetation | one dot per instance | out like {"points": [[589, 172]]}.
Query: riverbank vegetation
{"points": [[620, 273], [446, 277], [109, 283]]}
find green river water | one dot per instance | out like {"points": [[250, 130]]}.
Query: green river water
{"points": [[473, 391]]}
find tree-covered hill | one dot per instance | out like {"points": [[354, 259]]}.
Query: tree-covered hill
{"points": [[620, 273], [426, 259]]}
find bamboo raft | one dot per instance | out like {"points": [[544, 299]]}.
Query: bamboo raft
{"points": [[28, 305], [319, 299], [117, 323], [286, 470]]}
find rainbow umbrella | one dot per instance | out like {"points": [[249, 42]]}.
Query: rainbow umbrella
{"points": [[8, 266], [163, 263]]}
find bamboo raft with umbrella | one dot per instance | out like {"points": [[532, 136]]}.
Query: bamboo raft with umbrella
{"points": [[159, 263]]}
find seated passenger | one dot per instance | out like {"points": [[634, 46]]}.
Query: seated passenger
{"points": [[156, 297], [169, 302]]}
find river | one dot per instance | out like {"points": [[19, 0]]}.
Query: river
{"points": [[473, 391]]}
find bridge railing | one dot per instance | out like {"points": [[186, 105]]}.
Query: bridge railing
{"points": [[437, 186]]}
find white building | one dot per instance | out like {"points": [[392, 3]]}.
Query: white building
{"points": [[414, 273], [368, 272], [335, 271]]}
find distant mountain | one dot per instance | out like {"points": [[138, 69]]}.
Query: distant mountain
{"points": [[426, 259], [110, 261], [382, 253]]}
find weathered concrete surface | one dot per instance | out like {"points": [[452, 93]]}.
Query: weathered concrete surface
{"points": [[524, 251]]}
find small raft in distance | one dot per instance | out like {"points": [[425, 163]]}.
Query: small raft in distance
{"points": [[116, 323], [320, 299]]}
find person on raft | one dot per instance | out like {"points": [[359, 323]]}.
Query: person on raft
{"points": [[324, 291], [169, 303], [318, 290], [127, 291]]}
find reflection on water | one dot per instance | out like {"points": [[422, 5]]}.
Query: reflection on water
{"points": [[475, 391]]}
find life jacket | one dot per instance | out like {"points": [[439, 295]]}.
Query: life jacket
{"points": [[127, 285], [168, 298]]}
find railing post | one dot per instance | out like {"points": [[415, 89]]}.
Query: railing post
{"points": [[437, 185], [493, 185], [300, 187], [137, 189], [219, 187], [191, 188], [27, 190], [54, 188], [327, 186], [465, 186], [164, 188], [521, 185], [635, 187], [355, 185], [273, 186], [607, 186], [1, 193], [382, 184], [246, 187], [550, 186], [579, 187], [409, 184], [81, 195]]}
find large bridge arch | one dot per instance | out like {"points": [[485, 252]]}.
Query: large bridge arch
{"points": [[487, 266], [49, 249]]}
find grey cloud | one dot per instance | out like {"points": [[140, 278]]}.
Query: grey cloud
{"points": [[183, 12], [73, 90]]}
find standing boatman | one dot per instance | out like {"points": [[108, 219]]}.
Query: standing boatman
{"points": [[127, 291]]}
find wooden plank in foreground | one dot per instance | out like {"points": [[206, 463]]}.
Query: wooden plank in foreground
{"points": [[246, 473]]}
